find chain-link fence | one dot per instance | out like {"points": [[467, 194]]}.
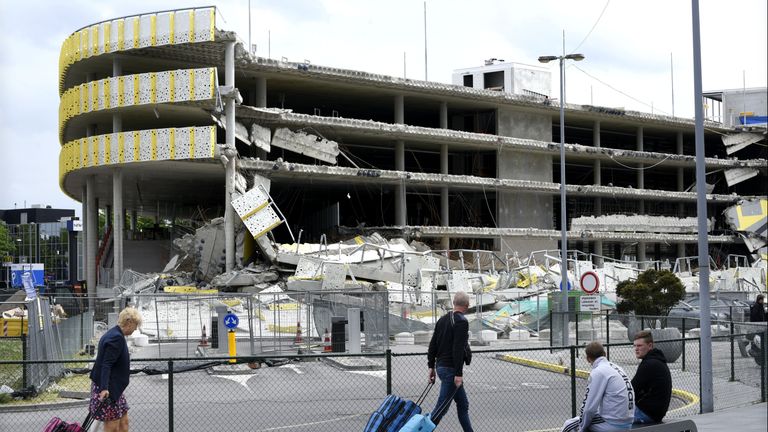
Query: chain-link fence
{"points": [[308, 392]]}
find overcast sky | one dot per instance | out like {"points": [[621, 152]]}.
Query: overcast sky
{"points": [[627, 45]]}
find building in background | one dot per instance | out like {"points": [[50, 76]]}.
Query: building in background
{"points": [[469, 165], [43, 236]]}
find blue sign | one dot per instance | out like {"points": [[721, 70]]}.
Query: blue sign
{"points": [[36, 273], [231, 320], [569, 285]]}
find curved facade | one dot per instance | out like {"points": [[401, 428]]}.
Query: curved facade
{"points": [[143, 127]]}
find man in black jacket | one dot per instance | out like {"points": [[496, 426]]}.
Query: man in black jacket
{"points": [[757, 311], [448, 350], [652, 381]]}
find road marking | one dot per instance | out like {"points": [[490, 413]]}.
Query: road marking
{"points": [[240, 379], [535, 385], [312, 423], [375, 373], [293, 368]]}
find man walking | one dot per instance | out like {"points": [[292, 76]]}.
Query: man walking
{"points": [[449, 350], [609, 402], [757, 311], [652, 382]]}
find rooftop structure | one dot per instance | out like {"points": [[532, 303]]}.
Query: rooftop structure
{"points": [[469, 165]]}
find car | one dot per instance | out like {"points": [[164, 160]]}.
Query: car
{"points": [[720, 310]]}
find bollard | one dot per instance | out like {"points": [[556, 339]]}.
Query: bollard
{"points": [[232, 344]]}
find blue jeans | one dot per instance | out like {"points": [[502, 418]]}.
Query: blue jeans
{"points": [[642, 418], [447, 388]]}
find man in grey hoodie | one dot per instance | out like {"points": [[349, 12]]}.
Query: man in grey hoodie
{"points": [[609, 402]]}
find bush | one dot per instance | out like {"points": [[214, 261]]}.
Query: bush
{"points": [[653, 293]]}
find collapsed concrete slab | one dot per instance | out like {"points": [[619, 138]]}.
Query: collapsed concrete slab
{"points": [[306, 144]]}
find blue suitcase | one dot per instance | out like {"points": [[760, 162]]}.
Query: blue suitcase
{"points": [[423, 422], [419, 423], [393, 413]]}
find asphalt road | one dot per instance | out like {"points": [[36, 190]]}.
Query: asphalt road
{"points": [[312, 396]]}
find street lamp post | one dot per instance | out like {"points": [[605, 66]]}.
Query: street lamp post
{"points": [[563, 220]]}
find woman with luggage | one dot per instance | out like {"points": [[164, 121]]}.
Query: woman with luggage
{"points": [[111, 373]]}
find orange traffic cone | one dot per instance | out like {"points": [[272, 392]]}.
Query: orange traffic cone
{"points": [[298, 339], [327, 341], [203, 339]]}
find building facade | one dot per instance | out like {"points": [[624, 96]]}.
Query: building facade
{"points": [[167, 114]]}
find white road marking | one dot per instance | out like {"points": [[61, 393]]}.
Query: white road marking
{"points": [[312, 423], [374, 373], [293, 368]]}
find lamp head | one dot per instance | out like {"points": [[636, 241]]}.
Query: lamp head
{"points": [[547, 59], [577, 57]]}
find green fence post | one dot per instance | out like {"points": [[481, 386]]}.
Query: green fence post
{"points": [[701, 399], [576, 314], [170, 395], [683, 360], [573, 381], [551, 328], [608, 335], [23, 357], [764, 366], [389, 371], [733, 363]]}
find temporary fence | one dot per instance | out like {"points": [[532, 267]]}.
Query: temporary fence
{"points": [[307, 392]]}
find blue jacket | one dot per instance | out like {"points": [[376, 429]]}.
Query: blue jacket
{"points": [[112, 369]]}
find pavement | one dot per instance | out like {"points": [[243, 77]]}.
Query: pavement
{"points": [[751, 418]]}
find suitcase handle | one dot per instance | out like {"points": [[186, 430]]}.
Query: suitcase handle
{"points": [[440, 411], [423, 396]]}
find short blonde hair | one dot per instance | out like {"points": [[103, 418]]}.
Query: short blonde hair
{"points": [[129, 314]]}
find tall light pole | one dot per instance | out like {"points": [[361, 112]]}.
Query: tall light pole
{"points": [[563, 220]]}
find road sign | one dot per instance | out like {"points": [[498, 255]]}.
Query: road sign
{"points": [[590, 303], [231, 320], [589, 282]]}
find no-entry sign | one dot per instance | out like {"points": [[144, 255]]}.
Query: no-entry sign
{"points": [[589, 282]]}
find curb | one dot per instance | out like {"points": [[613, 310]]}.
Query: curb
{"points": [[44, 406], [690, 398]]}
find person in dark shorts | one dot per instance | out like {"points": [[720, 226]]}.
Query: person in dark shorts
{"points": [[111, 373]]}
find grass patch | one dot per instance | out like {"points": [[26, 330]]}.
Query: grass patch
{"points": [[11, 374], [70, 382]]}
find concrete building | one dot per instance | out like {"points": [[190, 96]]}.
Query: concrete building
{"points": [[165, 114]]}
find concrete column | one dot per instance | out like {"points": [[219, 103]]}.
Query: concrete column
{"points": [[641, 254], [640, 171], [445, 241], [399, 109], [400, 212], [597, 170], [680, 250], [117, 190], [91, 239], [443, 115], [261, 92], [598, 259], [84, 216], [229, 213], [117, 224], [134, 220]]}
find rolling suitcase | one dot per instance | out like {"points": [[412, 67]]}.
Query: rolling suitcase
{"points": [[56, 424], [423, 422], [394, 412]]}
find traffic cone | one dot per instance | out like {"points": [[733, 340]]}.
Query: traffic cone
{"points": [[298, 339], [327, 341], [203, 339]]}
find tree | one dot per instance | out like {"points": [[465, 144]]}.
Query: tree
{"points": [[653, 293], [7, 247]]}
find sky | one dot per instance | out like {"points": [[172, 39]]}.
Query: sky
{"points": [[633, 50]]}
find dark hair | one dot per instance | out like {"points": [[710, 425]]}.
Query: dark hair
{"points": [[759, 297], [594, 350], [645, 335]]}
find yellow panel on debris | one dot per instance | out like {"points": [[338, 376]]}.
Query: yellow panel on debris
{"points": [[524, 281], [283, 306], [281, 329], [11, 327], [188, 290], [232, 302]]}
